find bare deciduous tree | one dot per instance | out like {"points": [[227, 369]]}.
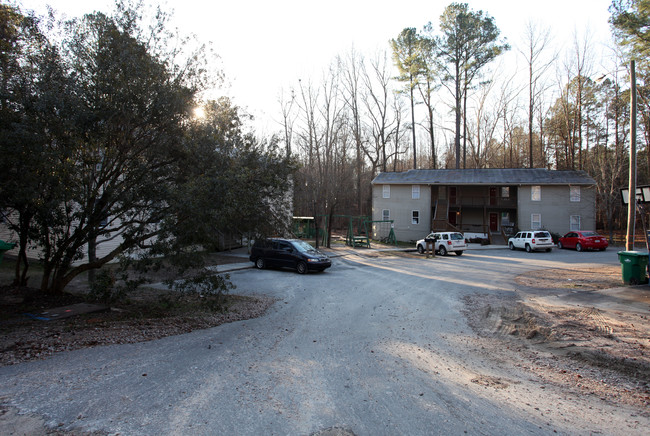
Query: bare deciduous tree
{"points": [[537, 41]]}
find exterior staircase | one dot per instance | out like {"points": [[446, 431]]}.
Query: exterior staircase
{"points": [[441, 215]]}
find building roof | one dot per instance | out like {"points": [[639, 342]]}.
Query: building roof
{"points": [[489, 176]]}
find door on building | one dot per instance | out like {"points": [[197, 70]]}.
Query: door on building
{"points": [[453, 217], [493, 196], [494, 222]]}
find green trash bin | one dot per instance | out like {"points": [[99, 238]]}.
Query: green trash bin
{"points": [[5, 246], [634, 265]]}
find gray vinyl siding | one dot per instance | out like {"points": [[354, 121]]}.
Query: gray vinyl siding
{"points": [[473, 186], [401, 206], [556, 208]]}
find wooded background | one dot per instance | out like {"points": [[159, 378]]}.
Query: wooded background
{"points": [[439, 98]]}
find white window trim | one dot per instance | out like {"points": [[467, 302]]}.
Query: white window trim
{"points": [[574, 194], [538, 189], [386, 191], [533, 221], [415, 192], [413, 219]]}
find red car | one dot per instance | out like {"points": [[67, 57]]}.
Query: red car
{"points": [[583, 241]]}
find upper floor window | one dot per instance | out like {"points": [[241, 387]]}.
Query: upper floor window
{"points": [[574, 193], [415, 192], [505, 192], [386, 191], [535, 193]]}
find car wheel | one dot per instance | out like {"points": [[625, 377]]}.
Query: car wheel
{"points": [[528, 249], [420, 249], [301, 267], [603, 249], [559, 245], [443, 251], [259, 263], [578, 247], [459, 253], [511, 245]]}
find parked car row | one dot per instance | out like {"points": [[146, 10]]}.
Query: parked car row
{"points": [[529, 240], [299, 255], [542, 240]]}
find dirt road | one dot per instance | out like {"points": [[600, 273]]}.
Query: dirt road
{"points": [[375, 345]]}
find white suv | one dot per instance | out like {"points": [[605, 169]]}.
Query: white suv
{"points": [[445, 242], [532, 240]]}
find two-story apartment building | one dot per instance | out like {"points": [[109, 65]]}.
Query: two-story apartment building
{"points": [[493, 202]]}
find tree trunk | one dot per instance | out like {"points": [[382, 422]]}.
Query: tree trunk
{"points": [[20, 278], [465, 122], [92, 257], [415, 163], [457, 135], [433, 140], [530, 114]]}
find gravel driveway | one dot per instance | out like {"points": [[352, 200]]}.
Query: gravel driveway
{"points": [[373, 346]]}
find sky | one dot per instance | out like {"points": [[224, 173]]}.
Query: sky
{"points": [[267, 45]]}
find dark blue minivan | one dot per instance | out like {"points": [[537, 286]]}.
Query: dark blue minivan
{"points": [[288, 253]]}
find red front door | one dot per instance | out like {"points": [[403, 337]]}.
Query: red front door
{"points": [[494, 222], [452, 217]]}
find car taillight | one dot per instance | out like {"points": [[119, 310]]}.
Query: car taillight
{"points": [[448, 242], [533, 241]]}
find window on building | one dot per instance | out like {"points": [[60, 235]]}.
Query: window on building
{"points": [[385, 214], [386, 191], [574, 193], [536, 221], [535, 193], [574, 224], [505, 192], [415, 192], [415, 217]]}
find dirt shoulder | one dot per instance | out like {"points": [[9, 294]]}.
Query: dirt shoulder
{"points": [[574, 328], [149, 314]]}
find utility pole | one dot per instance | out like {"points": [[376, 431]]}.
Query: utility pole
{"points": [[631, 204]]}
